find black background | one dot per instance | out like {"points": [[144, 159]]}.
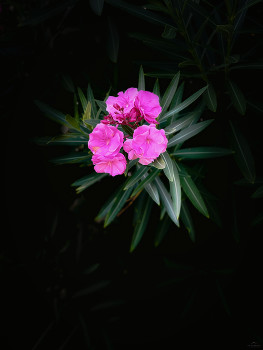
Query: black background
{"points": [[48, 238]]}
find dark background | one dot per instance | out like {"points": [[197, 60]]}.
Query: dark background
{"points": [[178, 295]]}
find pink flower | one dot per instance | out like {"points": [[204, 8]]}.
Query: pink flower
{"points": [[147, 103], [147, 144], [122, 106], [105, 139], [112, 164]]}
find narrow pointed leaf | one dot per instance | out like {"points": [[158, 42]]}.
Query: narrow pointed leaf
{"points": [[72, 158], [87, 181], [87, 114], [68, 83], [137, 176], [168, 170], [146, 180], [152, 191], [83, 99], [243, 155], [73, 123], [52, 113], [156, 88], [119, 202], [194, 194], [158, 163], [102, 105], [187, 221], [97, 6], [202, 152], [141, 224], [258, 193], [166, 200], [183, 104], [175, 190], [189, 132], [180, 123], [162, 229], [141, 81], [237, 97], [210, 98], [92, 122], [70, 139], [90, 98], [169, 93]]}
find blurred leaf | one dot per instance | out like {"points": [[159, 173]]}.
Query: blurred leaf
{"points": [[141, 12], [130, 164], [237, 97], [210, 98], [87, 114], [92, 122], [97, 6], [87, 181], [222, 298], [243, 155], [90, 98], [187, 220], [189, 132], [169, 32], [162, 229], [169, 93], [168, 170], [136, 176], [91, 269], [68, 83], [202, 152], [52, 113], [167, 201], [248, 65], [127, 129], [113, 41], [102, 105], [83, 99], [142, 221], [73, 123], [118, 204], [193, 194], [141, 81], [258, 193], [257, 220], [175, 190], [107, 205], [70, 139], [158, 163], [72, 158], [183, 104], [91, 289]]}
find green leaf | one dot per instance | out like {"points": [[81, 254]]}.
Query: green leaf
{"points": [[102, 105], [87, 114], [147, 180], [183, 104], [83, 99], [87, 181], [168, 170], [158, 163], [141, 224], [52, 113], [97, 6], [258, 193], [72, 158], [169, 32], [193, 194], [202, 152], [90, 98], [73, 123], [152, 191], [119, 202], [162, 229], [156, 88], [127, 129], [210, 98], [107, 206], [141, 12], [169, 94], [141, 81], [130, 164], [167, 201], [92, 122], [136, 177], [243, 155], [70, 139], [180, 123], [68, 83], [175, 190], [113, 41], [187, 221], [91, 289], [189, 132], [237, 97]]}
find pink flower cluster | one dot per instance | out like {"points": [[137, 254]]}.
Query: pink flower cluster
{"points": [[106, 140]]}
